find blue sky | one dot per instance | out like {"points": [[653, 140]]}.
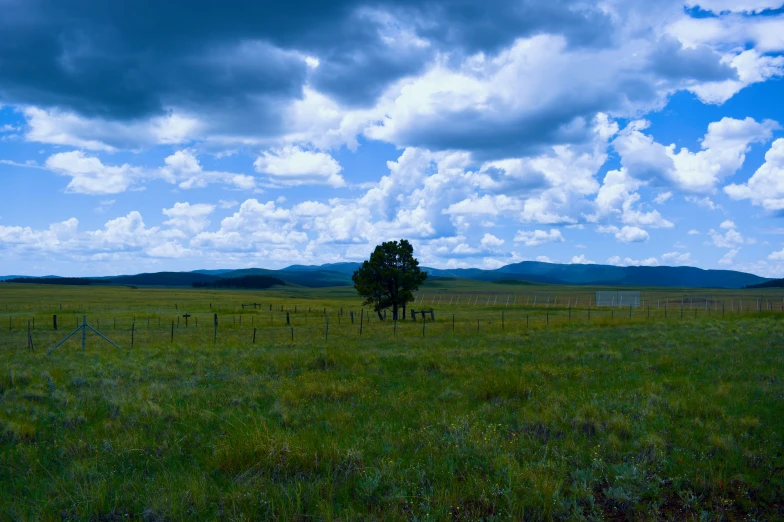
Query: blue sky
{"points": [[222, 135]]}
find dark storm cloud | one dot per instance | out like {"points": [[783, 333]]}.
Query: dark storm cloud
{"points": [[671, 60], [124, 59], [238, 65], [490, 25]]}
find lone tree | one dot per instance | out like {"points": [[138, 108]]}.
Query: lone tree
{"points": [[388, 279]]}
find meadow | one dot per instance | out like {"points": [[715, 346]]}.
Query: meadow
{"points": [[496, 410]]}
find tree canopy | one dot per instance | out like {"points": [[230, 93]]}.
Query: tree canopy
{"points": [[389, 278]]}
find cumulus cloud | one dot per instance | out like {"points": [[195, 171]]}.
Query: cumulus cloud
{"points": [[294, 166], [729, 257], [188, 218], [730, 238], [538, 237], [724, 149], [61, 127], [505, 114], [489, 241], [616, 260], [27, 239], [693, 232], [89, 175], [581, 260], [184, 168], [765, 188], [704, 202], [625, 234], [677, 258], [617, 198], [255, 226]]}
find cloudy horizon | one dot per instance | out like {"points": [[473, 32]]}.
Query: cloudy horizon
{"points": [[191, 136]]}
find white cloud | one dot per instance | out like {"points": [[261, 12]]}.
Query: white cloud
{"points": [[105, 204], [24, 239], [616, 260], [489, 241], [752, 67], [170, 250], [123, 233], [729, 257], [538, 237], [724, 149], [543, 259], [617, 198], [704, 202], [188, 218], [662, 197], [255, 226], [729, 239], [184, 168], [693, 232], [626, 234], [766, 187], [294, 166], [90, 176], [58, 127], [777, 256], [631, 235], [677, 258], [312, 208], [727, 224], [581, 260]]}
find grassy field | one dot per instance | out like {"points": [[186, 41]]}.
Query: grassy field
{"points": [[515, 412]]}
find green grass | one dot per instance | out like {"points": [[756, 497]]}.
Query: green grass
{"points": [[616, 418]]}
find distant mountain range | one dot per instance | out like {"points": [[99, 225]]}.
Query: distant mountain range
{"points": [[339, 274]]}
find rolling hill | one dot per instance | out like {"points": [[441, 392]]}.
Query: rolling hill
{"points": [[539, 272], [339, 274]]}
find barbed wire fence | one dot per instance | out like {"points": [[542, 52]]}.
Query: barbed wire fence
{"points": [[282, 324]]}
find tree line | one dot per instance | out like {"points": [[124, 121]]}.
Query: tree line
{"points": [[250, 282]]}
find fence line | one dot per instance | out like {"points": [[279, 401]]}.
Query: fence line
{"points": [[289, 329]]}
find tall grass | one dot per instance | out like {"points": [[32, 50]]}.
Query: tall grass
{"points": [[635, 420]]}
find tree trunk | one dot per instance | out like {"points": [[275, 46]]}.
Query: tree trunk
{"points": [[394, 312], [380, 317]]}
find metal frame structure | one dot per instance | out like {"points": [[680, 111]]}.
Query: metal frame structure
{"points": [[83, 327]]}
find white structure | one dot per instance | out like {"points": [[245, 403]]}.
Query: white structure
{"points": [[618, 298]]}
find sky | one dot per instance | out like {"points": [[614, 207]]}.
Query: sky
{"points": [[150, 136]]}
